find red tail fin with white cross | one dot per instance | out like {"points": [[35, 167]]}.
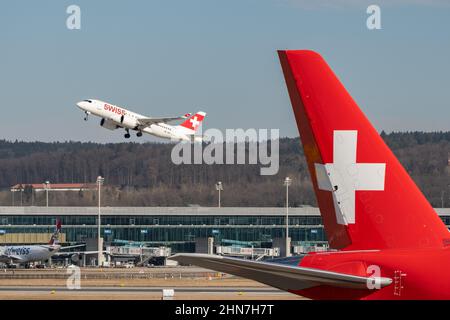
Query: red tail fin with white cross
{"points": [[366, 198], [191, 125]]}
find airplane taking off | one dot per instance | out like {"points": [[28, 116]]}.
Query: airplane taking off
{"points": [[114, 117], [387, 240]]}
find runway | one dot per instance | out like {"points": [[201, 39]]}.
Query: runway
{"points": [[134, 284]]}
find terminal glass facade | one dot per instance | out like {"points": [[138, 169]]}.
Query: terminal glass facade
{"points": [[178, 231]]}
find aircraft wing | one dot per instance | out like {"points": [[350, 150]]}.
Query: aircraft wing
{"points": [[78, 252], [71, 247], [280, 276], [146, 122]]}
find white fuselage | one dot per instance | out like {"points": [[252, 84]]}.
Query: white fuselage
{"points": [[114, 117], [27, 253]]}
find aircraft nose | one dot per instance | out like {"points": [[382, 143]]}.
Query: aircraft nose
{"points": [[81, 104]]}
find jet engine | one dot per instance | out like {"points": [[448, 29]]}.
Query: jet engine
{"points": [[108, 124], [76, 257], [128, 122]]}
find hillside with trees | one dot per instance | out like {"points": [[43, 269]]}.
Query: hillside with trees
{"points": [[144, 175]]}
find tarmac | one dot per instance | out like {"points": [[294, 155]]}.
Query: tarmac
{"points": [[143, 293], [134, 284]]}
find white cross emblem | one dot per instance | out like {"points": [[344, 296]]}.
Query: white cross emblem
{"points": [[344, 176], [194, 122]]}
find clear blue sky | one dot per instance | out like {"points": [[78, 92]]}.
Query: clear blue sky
{"points": [[170, 57]]}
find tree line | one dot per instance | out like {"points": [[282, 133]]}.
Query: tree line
{"points": [[142, 174]]}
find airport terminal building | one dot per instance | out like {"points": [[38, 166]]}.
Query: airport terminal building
{"points": [[174, 227]]}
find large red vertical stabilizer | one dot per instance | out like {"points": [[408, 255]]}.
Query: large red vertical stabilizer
{"points": [[366, 198]]}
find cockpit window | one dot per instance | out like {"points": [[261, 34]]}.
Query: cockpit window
{"points": [[90, 101]]}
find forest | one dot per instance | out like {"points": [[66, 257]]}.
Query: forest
{"points": [[142, 174]]}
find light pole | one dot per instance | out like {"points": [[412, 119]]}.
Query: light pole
{"points": [[21, 195], [100, 181], [287, 183], [46, 187], [219, 187]]}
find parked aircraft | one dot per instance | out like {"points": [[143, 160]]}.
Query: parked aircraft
{"points": [[25, 254]]}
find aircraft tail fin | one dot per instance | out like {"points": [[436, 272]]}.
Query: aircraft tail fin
{"points": [[55, 236], [191, 124], [366, 198]]}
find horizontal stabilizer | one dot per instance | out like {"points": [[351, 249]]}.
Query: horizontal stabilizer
{"points": [[280, 276]]}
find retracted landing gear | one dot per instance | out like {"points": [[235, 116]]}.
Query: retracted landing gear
{"points": [[127, 135]]}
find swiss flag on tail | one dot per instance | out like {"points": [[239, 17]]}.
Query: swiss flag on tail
{"points": [[193, 122], [366, 198]]}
